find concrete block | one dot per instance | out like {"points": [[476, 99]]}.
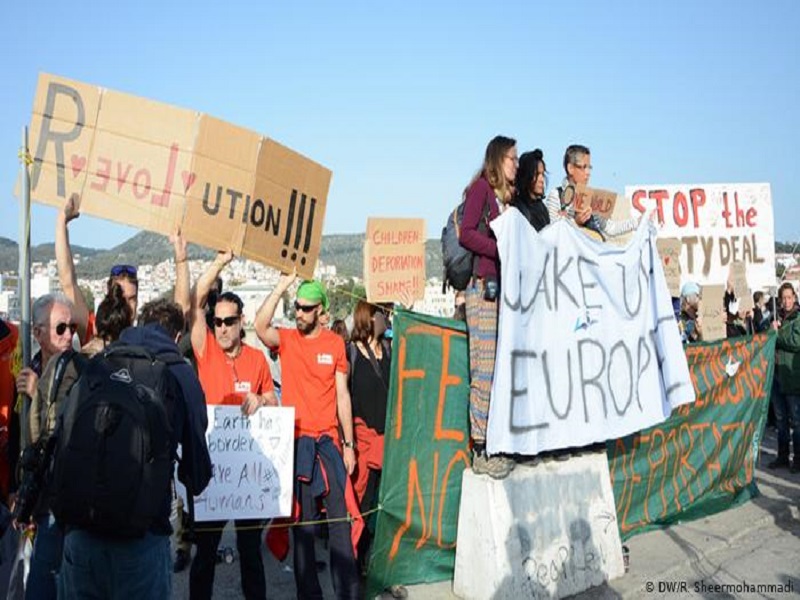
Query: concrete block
{"points": [[546, 531]]}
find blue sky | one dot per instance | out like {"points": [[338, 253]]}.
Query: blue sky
{"points": [[399, 99]]}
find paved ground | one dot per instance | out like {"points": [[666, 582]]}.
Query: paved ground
{"points": [[756, 543]]}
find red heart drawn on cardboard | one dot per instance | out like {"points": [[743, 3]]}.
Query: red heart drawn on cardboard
{"points": [[78, 164]]}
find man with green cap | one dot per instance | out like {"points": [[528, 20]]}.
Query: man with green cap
{"points": [[314, 381]]}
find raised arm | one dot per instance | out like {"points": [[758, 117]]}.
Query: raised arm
{"points": [[182, 284], [199, 297], [263, 324], [66, 266]]}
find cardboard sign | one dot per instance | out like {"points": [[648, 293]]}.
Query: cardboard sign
{"points": [[601, 201], [669, 249], [394, 260], [718, 224], [740, 288], [253, 460], [712, 312], [154, 166]]}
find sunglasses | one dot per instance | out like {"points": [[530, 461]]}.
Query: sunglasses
{"points": [[227, 321], [304, 308], [62, 327], [118, 270]]}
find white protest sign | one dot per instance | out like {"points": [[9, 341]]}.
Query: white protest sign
{"points": [[718, 224], [588, 347], [253, 460]]}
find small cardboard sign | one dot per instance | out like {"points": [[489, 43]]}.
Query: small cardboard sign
{"points": [[740, 288], [394, 260], [712, 312], [153, 166], [669, 249], [253, 460], [601, 201]]}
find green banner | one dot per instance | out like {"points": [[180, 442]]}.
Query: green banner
{"points": [[426, 451], [701, 460]]}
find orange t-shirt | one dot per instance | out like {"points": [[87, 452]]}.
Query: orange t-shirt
{"points": [[227, 380], [308, 379]]}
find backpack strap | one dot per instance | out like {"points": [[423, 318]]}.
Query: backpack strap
{"points": [[58, 374], [351, 362], [482, 227]]}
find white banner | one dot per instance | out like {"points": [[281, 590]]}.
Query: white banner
{"points": [[588, 347], [718, 224], [253, 459]]}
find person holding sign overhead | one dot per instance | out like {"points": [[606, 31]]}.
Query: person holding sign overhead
{"points": [[314, 370], [231, 372]]}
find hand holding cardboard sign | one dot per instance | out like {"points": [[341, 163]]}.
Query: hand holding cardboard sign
{"points": [[583, 215], [286, 280]]}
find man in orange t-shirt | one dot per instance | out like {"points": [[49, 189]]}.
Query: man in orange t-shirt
{"points": [[231, 373], [314, 381]]}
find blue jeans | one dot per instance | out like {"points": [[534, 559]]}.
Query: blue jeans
{"points": [[115, 569], [787, 416], [45, 559]]}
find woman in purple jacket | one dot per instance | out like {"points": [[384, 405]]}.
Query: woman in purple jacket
{"points": [[487, 196]]}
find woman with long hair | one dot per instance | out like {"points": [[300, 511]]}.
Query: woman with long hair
{"points": [[530, 186], [487, 195]]}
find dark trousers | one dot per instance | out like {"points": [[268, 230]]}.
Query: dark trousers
{"points": [[248, 545], [342, 560]]}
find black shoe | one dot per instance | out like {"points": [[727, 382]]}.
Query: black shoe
{"points": [[182, 559], [778, 463]]}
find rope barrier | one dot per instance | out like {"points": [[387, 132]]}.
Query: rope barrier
{"points": [[274, 525]]}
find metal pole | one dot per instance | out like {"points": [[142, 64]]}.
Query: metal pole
{"points": [[24, 274]]}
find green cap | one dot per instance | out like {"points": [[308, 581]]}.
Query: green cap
{"points": [[313, 291]]}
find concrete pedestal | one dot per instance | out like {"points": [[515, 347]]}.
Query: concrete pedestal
{"points": [[547, 531]]}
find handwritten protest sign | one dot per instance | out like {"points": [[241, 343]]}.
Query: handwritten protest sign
{"points": [[253, 459], [588, 347], [427, 441], [394, 259], [669, 249], [712, 312], [601, 201], [701, 460], [154, 166], [741, 290], [717, 224]]}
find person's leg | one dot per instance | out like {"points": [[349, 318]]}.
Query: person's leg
{"points": [[84, 573], [782, 421], [305, 559], [140, 568], [45, 560], [251, 566], [201, 575], [793, 405], [344, 570], [482, 339]]}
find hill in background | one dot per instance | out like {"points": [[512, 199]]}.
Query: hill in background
{"points": [[346, 252]]}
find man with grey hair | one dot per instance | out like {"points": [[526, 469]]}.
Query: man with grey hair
{"points": [[53, 328]]}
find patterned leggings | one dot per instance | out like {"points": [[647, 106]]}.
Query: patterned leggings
{"points": [[482, 328]]}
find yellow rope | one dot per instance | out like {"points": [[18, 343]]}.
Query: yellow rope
{"points": [[274, 525], [25, 157]]}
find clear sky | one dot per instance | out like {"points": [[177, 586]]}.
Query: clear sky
{"points": [[399, 99]]}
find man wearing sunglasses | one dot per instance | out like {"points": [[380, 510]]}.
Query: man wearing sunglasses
{"points": [[314, 381], [125, 276], [231, 373]]}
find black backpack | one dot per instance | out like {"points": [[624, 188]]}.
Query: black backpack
{"points": [[459, 263], [113, 462]]}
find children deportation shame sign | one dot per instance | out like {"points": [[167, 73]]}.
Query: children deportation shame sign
{"points": [[253, 460], [394, 260], [154, 166], [588, 348], [717, 224]]}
